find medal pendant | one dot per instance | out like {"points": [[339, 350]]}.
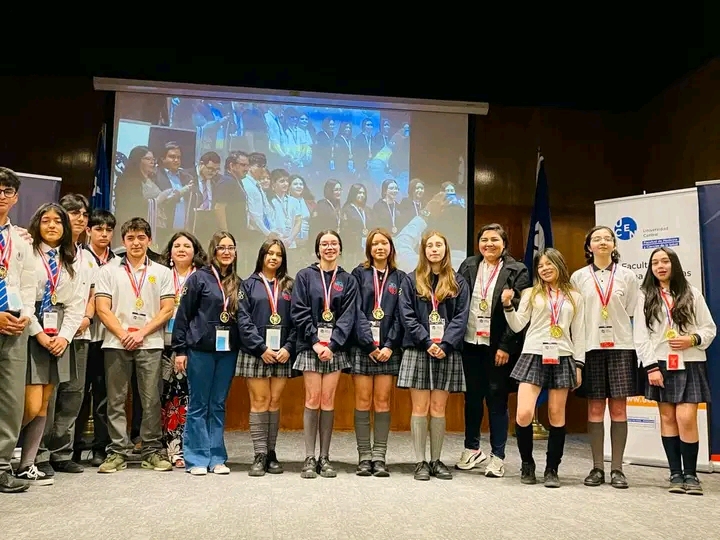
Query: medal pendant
{"points": [[327, 315], [394, 230], [671, 334], [139, 303], [224, 317], [604, 313], [556, 331], [53, 299], [177, 299], [3, 272], [483, 305], [365, 232], [434, 317], [378, 314], [275, 319]]}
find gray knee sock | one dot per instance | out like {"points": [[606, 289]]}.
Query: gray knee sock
{"points": [[596, 430], [362, 434], [259, 431], [310, 430], [273, 428], [437, 436], [327, 419], [381, 429], [419, 430], [618, 439], [32, 437]]}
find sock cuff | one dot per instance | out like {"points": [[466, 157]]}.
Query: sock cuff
{"points": [[557, 428], [689, 443], [618, 422], [359, 413], [327, 413], [672, 437]]}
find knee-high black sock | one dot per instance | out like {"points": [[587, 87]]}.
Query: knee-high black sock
{"points": [[310, 430], [556, 446], [689, 452], [525, 442], [673, 453]]}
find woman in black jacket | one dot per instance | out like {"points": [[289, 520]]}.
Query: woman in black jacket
{"points": [[491, 347]]}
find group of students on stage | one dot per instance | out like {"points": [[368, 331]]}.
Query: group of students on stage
{"points": [[484, 330]]}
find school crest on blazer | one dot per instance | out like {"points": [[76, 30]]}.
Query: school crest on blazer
{"points": [[286, 296], [338, 286], [392, 288]]}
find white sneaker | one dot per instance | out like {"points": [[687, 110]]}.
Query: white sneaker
{"points": [[469, 459], [35, 476], [496, 467], [198, 471], [221, 469]]}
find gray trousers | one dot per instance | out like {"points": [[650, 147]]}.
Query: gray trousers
{"points": [[64, 407], [13, 370], [118, 371]]}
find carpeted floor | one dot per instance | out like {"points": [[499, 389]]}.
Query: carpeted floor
{"points": [[139, 504]]}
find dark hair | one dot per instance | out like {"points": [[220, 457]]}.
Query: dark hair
{"points": [[230, 281], [9, 178], [277, 174], [368, 248], [171, 145], [329, 188], [498, 229], [306, 193], [286, 282], [208, 157], [683, 312], [74, 201], [257, 159], [386, 183], [589, 257], [199, 256], [66, 249], [352, 194], [135, 224], [102, 217], [132, 166], [413, 185], [320, 235], [232, 158]]}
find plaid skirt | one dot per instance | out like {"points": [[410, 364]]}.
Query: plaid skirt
{"points": [[309, 361], [530, 369], [420, 371], [252, 367], [362, 364], [689, 385], [611, 373]]}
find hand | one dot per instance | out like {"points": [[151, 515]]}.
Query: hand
{"points": [[318, 348], [326, 354], [680, 343], [132, 340], [24, 234], [84, 325], [44, 340], [507, 296], [180, 364], [374, 355], [433, 349], [11, 325], [440, 354], [282, 356], [655, 378], [269, 356], [384, 354], [578, 376], [57, 345], [23, 324], [501, 358]]}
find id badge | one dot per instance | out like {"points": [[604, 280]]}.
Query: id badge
{"points": [[222, 339], [170, 326], [437, 331], [14, 300], [272, 337], [50, 322], [607, 338], [550, 353], [375, 328], [675, 361], [482, 327], [137, 321], [325, 334]]}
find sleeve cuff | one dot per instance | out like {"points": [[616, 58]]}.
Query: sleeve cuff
{"points": [[580, 363], [509, 309], [35, 328], [446, 347], [181, 352], [333, 346], [67, 338], [652, 367]]}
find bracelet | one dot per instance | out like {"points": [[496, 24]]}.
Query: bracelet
{"points": [[693, 340]]}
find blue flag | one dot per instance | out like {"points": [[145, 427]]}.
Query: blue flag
{"points": [[540, 235], [100, 197]]}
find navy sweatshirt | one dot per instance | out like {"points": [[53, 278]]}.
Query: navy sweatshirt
{"points": [[415, 313], [199, 314], [308, 303], [253, 317], [391, 332]]}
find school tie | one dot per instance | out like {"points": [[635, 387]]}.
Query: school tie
{"points": [[4, 305], [52, 263]]}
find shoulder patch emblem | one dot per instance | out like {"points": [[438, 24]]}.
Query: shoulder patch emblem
{"points": [[184, 291], [151, 279]]}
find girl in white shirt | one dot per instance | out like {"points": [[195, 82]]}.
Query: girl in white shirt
{"points": [[672, 328], [552, 357], [609, 292]]}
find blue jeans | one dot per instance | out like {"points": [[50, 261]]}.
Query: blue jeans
{"points": [[210, 375]]}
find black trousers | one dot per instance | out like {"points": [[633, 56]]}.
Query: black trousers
{"points": [[488, 384], [95, 388]]}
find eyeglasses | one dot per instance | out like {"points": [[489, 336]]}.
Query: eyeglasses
{"points": [[8, 192], [326, 245], [228, 249], [78, 213]]}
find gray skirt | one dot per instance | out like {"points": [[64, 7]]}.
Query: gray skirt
{"points": [[689, 385], [418, 370], [362, 364], [309, 361], [610, 373], [253, 367], [44, 368], [530, 369]]}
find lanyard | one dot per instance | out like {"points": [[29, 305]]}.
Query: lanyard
{"points": [[137, 285], [361, 214], [53, 280], [604, 295], [392, 213], [272, 293], [378, 288], [668, 308], [102, 261], [486, 286], [179, 280], [225, 299], [555, 307], [327, 292]]}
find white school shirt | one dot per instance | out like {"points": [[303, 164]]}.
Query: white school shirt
{"points": [[621, 305], [97, 328], [20, 279], [114, 283], [485, 271], [86, 267], [652, 345], [572, 342], [69, 293]]}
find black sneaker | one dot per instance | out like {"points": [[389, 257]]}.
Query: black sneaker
{"points": [[273, 466], [258, 466], [422, 471], [595, 478], [97, 459], [10, 484], [440, 471], [309, 468], [33, 476], [46, 469], [68, 466], [551, 478], [527, 473], [325, 468], [364, 468], [618, 480], [677, 484], [692, 485], [379, 469]]}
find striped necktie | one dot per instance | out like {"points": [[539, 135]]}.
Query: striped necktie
{"points": [[52, 263], [4, 305]]}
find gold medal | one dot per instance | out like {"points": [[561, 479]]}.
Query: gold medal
{"points": [[604, 313], [177, 299], [275, 319], [365, 232], [53, 299], [139, 302], [224, 317], [434, 317], [483, 305], [327, 315], [3, 272], [671, 334], [378, 313], [556, 331], [394, 230]]}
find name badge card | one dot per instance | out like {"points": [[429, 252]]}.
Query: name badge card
{"points": [[325, 334], [675, 361], [437, 331], [171, 323], [137, 321], [272, 337], [222, 339], [607, 337], [550, 353], [50, 322], [482, 327], [375, 328], [14, 300]]}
